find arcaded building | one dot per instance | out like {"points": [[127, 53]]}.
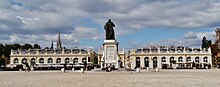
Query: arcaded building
{"points": [[169, 57], [45, 58], [51, 57]]}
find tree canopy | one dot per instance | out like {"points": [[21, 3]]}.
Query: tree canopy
{"points": [[206, 43], [6, 48]]}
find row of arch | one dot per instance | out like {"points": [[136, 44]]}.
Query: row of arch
{"points": [[163, 59], [180, 59], [49, 60]]}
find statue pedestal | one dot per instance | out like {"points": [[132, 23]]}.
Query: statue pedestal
{"points": [[110, 55]]}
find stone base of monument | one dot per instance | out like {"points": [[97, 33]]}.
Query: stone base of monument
{"points": [[110, 54]]}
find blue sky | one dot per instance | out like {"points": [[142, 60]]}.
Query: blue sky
{"points": [[139, 23]]}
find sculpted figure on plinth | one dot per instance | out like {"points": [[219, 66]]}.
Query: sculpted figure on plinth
{"points": [[109, 31]]}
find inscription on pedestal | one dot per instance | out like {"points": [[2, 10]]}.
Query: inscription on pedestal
{"points": [[110, 56]]}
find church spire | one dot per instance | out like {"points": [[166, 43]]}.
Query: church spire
{"points": [[59, 42], [51, 47]]}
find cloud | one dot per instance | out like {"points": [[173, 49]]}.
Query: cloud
{"points": [[190, 39], [190, 35], [83, 33], [47, 17]]}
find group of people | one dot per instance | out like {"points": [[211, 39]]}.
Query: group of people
{"points": [[109, 68]]}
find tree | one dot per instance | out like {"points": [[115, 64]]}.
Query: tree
{"points": [[95, 60], [7, 50], [1, 48], [16, 46], [215, 50], [2, 60], [27, 46], [36, 46], [206, 43]]}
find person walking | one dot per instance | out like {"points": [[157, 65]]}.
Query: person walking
{"points": [[27, 67]]}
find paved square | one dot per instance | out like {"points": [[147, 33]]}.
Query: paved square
{"points": [[164, 78]]}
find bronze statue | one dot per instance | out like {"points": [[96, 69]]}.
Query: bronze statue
{"points": [[109, 31]]}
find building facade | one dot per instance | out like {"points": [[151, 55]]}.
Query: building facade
{"points": [[169, 57], [51, 57]]}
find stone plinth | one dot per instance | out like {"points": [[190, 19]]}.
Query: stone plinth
{"points": [[110, 54]]}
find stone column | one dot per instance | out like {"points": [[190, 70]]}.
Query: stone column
{"points": [[150, 62]]}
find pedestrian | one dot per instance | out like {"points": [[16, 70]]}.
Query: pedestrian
{"points": [[27, 67]]}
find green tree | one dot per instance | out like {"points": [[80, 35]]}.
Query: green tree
{"points": [[27, 46], [215, 50], [7, 50], [16, 46], [95, 60], [206, 43], [2, 60], [36, 46], [2, 47]]}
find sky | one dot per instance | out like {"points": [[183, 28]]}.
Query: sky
{"points": [[138, 23]]}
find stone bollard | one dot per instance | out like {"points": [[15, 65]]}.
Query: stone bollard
{"points": [[73, 69], [138, 70], [157, 69], [194, 68], [20, 70], [32, 68], [147, 68], [206, 67], [62, 70], [82, 70]]}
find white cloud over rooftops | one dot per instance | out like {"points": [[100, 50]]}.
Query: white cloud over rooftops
{"points": [[43, 18]]}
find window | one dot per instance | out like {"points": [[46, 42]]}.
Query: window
{"points": [[50, 60], [180, 59], [138, 62], [205, 59], [67, 60], [41, 60], [171, 59], [58, 60], [146, 62], [32, 61], [89, 59], [163, 59], [188, 59], [24, 60], [16, 61], [84, 60], [155, 62], [146, 59], [197, 59], [75, 60]]}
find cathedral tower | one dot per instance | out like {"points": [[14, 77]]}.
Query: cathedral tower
{"points": [[59, 42]]}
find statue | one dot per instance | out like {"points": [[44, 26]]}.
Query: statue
{"points": [[109, 31]]}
